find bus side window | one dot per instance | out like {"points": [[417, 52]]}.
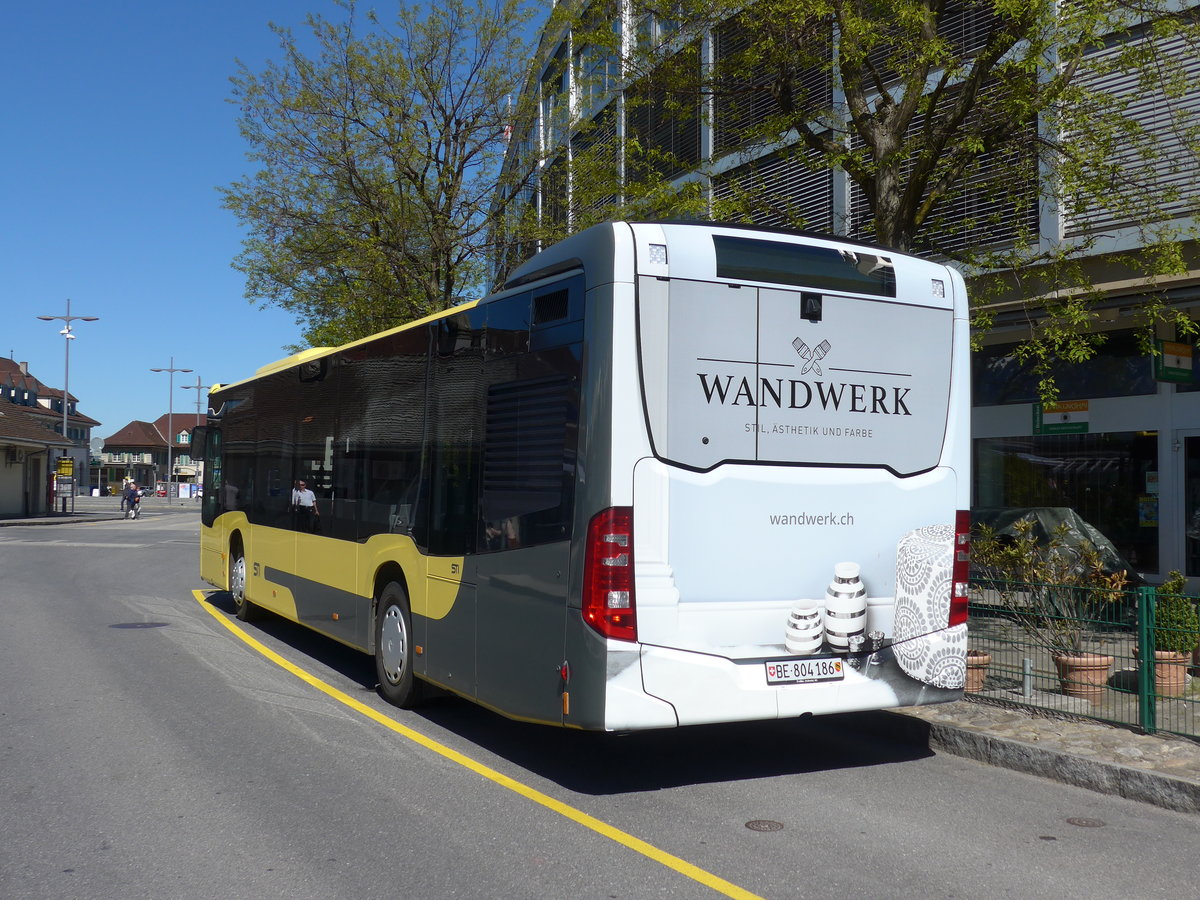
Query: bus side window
{"points": [[238, 429], [381, 424], [531, 425]]}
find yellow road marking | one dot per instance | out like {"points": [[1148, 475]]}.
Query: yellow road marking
{"points": [[682, 866]]}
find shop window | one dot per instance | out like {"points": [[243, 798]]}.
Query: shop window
{"points": [[1110, 480], [1120, 368]]}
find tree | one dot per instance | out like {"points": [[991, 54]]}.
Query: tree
{"points": [[960, 125], [378, 159]]}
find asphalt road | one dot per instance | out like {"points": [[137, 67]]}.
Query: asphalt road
{"points": [[146, 750]]}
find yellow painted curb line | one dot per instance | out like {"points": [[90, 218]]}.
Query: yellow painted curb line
{"points": [[684, 867]]}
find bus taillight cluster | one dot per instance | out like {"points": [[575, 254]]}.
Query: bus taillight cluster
{"points": [[608, 603], [960, 589]]}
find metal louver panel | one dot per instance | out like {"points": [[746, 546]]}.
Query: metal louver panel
{"points": [[1168, 183], [968, 25], [669, 133], [553, 188], [781, 192], [995, 200], [595, 148], [746, 102], [523, 460]]}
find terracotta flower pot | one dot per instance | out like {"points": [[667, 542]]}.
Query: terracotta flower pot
{"points": [[977, 664], [1195, 667], [1084, 675], [1170, 672]]}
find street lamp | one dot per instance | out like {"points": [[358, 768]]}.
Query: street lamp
{"points": [[170, 425], [69, 336], [197, 387]]}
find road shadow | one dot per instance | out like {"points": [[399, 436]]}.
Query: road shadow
{"points": [[601, 764], [598, 763]]}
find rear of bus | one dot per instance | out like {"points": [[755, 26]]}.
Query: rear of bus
{"points": [[766, 408]]}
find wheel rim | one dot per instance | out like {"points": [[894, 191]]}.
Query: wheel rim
{"points": [[237, 580], [393, 645]]}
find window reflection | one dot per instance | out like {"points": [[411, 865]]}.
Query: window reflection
{"points": [[1110, 480]]}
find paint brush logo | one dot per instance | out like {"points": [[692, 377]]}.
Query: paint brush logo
{"points": [[812, 356]]}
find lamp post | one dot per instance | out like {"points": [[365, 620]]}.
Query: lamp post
{"points": [[69, 336], [171, 370], [197, 387]]}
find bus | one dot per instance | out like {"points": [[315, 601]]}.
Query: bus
{"points": [[671, 473]]}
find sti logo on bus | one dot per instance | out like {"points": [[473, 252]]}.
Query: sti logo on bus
{"points": [[795, 393]]}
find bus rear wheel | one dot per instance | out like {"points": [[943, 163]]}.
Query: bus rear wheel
{"points": [[394, 648]]}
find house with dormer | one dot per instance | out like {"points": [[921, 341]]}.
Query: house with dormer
{"points": [[139, 452], [32, 440]]}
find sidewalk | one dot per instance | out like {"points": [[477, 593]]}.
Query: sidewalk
{"points": [[100, 509], [1160, 769]]}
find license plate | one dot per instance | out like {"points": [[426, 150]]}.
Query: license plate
{"points": [[804, 671]]}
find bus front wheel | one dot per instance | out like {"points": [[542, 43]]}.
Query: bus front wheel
{"points": [[237, 585], [394, 648]]}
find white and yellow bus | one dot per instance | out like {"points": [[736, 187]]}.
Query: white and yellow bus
{"points": [[672, 473]]}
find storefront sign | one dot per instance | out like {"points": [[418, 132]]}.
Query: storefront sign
{"points": [[1064, 417], [1173, 362]]}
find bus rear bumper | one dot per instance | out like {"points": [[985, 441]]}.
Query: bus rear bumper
{"points": [[704, 688]]}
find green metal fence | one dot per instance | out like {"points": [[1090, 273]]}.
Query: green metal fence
{"points": [[1033, 635]]}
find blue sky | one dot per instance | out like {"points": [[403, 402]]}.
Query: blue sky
{"points": [[116, 133]]}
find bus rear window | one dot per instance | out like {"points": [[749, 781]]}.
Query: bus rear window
{"points": [[853, 271]]}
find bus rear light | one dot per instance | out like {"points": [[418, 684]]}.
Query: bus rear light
{"points": [[608, 601], [961, 572]]}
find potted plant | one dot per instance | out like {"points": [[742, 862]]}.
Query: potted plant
{"points": [[1055, 590], [1176, 634]]}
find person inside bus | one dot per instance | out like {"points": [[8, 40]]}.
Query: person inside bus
{"points": [[304, 507]]}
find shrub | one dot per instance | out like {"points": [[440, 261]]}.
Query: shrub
{"points": [[1176, 622], [1053, 590]]}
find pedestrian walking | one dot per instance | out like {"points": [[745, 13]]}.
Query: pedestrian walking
{"points": [[132, 498]]}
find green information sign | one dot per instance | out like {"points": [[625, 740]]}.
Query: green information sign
{"points": [[1173, 362], [1064, 417]]}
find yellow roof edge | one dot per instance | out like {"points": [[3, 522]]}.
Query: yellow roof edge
{"points": [[293, 360], [315, 352]]}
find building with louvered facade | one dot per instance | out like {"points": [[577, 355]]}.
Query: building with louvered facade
{"points": [[1122, 450]]}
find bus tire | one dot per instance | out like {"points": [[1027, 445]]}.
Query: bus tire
{"points": [[394, 648], [237, 585]]}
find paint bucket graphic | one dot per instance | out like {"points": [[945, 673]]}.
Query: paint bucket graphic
{"points": [[805, 629], [845, 606]]}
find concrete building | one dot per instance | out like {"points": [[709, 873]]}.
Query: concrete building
{"points": [[1124, 452]]}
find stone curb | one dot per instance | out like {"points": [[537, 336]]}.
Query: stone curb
{"points": [[1115, 779]]}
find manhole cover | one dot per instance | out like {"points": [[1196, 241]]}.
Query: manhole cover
{"points": [[764, 825], [139, 625], [1086, 823]]}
